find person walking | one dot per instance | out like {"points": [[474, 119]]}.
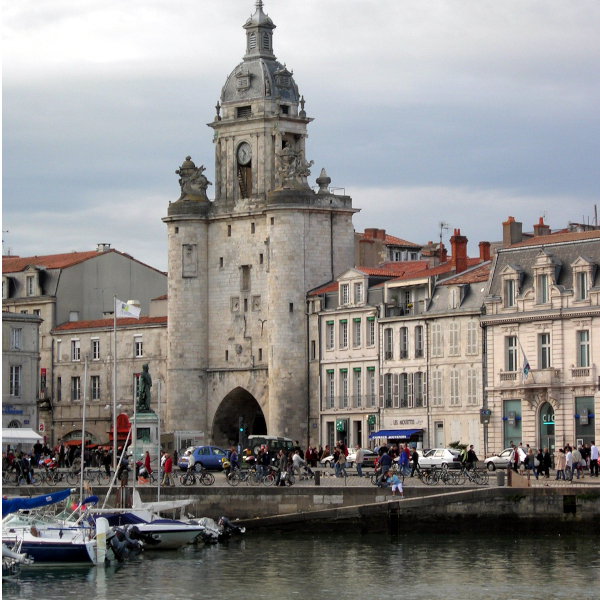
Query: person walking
{"points": [[106, 461], [471, 458], [546, 463], [561, 463], [403, 463], [415, 462], [593, 460], [569, 465], [341, 465], [531, 462], [359, 460], [168, 468], [576, 463]]}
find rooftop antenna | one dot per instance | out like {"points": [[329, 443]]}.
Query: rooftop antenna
{"points": [[3, 249], [443, 227]]}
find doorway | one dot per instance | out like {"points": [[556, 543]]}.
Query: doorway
{"points": [[547, 436], [438, 434]]}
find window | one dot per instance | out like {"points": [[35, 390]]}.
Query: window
{"points": [[58, 347], [95, 349], [358, 293], [330, 336], [37, 312], [511, 353], [358, 387], [582, 285], [252, 228], [388, 342], [583, 348], [4, 289], [138, 346], [371, 386], [344, 388], [30, 284], [370, 331], [95, 382], [403, 342], [245, 304], [542, 289], [75, 350], [419, 392], [265, 40], [16, 338], [221, 262], [244, 111], [509, 293], [15, 380], [24, 312], [419, 341], [272, 220], [343, 333], [454, 388], [228, 230], [403, 390], [291, 307], [472, 337], [453, 299], [436, 388], [226, 355], [261, 259], [387, 390], [344, 293], [75, 388], [330, 391], [471, 386], [245, 283], [356, 333], [252, 41], [73, 316], [285, 109], [260, 356], [437, 347], [58, 389], [454, 335], [136, 385], [544, 350]]}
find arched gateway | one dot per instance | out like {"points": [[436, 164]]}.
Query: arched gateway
{"points": [[239, 403]]}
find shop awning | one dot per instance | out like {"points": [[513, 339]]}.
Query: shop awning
{"points": [[394, 434], [17, 435]]}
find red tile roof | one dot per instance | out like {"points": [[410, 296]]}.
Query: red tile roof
{"points": [[437, 270], [163, 297], [332, 286], [394, 269], [478, 275], [105, 323], [60, 261], [390, 240], [556, 238]]}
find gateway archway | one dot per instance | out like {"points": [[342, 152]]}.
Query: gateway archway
{"points": [[237, 403]]}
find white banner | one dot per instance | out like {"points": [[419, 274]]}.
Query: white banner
{"points": [[126, 310]]}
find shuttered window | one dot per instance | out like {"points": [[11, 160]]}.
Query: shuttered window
{"points": [[454, 388], [472, 337], [454, 334], [437, 341], [471, 386], [436, 388]]}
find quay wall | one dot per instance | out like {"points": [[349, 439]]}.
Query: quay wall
{"points": [[429, 509]]}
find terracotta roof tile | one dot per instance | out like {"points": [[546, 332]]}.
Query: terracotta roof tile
{"points": [[332, 286], [390, 240], [163, 297], [478, 275], [557, 238], [105, 323]]}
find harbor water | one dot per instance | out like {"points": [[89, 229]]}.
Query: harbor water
{"points": [[345, 566]]}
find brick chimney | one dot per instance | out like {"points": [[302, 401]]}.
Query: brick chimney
{"points": [[459, 251], [541, 228], [484, 251], [512, 232], [370, 233], [443, 254]]}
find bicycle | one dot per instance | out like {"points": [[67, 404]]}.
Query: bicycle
{"points": [[477, 476]]}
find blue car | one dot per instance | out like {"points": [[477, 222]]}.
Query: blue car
{"points": [[207, 457]]}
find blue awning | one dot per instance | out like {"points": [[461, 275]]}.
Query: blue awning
{"points": [[395, 434]]}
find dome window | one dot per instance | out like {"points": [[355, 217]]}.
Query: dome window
{"points": [[252, 41], [244, 111], [265, 41], [285, 110]]}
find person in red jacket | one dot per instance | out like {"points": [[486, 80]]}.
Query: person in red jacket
{"points": [[168, 479]]}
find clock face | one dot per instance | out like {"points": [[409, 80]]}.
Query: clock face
{"points": [[244, 153]]}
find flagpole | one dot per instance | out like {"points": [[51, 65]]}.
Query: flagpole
{"points": [[83, 431], [158, 459], [115, 386]]}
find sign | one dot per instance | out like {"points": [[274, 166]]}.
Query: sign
{"points": [[340, 424], [9, 409], [548, 419], [485, 416], [584, 418], [512, 418], [41, 427], [371, 419], [42, 379]]}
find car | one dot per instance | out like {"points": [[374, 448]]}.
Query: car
{"points": [[369, 459], [207, 457], [440, 458], [502, 460]]}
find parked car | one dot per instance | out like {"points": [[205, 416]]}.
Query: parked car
{"points": [[207, 457], [440, 458], [369, 458], [499, 461]]}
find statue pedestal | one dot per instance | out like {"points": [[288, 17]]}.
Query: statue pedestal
{"points": [[145, 437]]}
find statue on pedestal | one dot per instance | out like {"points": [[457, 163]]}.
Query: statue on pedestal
{"points": [[144, 385]]}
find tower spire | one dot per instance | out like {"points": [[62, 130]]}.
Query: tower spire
{"points": [[259, 34]]}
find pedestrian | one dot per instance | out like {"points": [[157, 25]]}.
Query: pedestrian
{"points": [[569, 465], [396, 485], [576, 456], [403, 463], [385, 462], [359, 459], [531, 462], [341, 465], [593, 460], [547, 463], [561, 462], [282, 468], [106, 462], [471, 457], [147, 464], [514, 458], [37, 452], [415, 461], [168, 468]]}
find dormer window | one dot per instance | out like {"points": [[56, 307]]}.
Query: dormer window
{"points": [[543, 296], [509, 293], [345, 293], [511, 282], [30, 285], [358, 292], [545, 272], [581, 285], [285, 110], [583, 276]]}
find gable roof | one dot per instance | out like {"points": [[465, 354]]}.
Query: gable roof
{"points": [[109, 323], [389, 240]]}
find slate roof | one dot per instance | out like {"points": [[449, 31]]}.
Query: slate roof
{"points": [[559, 238]]}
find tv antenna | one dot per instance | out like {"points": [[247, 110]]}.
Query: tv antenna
{"points": [[443, 227], [3, 250]]}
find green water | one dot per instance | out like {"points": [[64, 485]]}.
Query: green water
{"points": [[344, 566]]}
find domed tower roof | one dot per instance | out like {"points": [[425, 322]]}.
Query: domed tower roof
{"points": [[260, 75]]}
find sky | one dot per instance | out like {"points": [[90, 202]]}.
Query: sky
{"points": [[454, 111]]}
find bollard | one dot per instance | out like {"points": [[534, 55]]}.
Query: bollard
{"points": [[500, 478], [317, 477]]}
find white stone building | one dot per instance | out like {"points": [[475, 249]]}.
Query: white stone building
{"points": [[543, 309], [240, 266]]}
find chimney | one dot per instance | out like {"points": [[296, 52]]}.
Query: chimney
{"points": [[541, 228], [370, 233], [380, 234], [484, 251], [459, 251], [443, 254], [103, 248], [512, 232]]}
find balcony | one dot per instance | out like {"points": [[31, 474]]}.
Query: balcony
{"points": [[583, 375], [536, 378], [364, 401]]}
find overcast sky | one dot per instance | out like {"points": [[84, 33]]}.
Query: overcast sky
{"points": [[457, 111]]}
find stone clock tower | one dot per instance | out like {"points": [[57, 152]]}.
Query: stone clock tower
{"points": [[240, 265]]}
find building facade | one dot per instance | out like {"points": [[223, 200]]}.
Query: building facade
{"points": [[542, 323], [20, 368], [240, 265]]}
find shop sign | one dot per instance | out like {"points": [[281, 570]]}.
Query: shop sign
{"points": [[548, 419], [10, 409], [584, 418], [371, 419], [485, 415], [512, 418]]}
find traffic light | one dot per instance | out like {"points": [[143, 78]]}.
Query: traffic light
{"points": [[241, 426]]}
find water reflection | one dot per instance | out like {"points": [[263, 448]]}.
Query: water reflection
{"points": [[348, 566]]}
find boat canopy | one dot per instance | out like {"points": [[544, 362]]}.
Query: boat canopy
{"points": [[15, 504]]}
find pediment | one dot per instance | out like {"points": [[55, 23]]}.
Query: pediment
{"points": [[351, 274], [511, 270], [583, 261], [545, 259]]}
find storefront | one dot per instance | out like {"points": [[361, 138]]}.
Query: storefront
{"points": [[547, 427]]}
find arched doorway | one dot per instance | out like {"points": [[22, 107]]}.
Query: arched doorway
{"points": [[547, 427], [239, 403]]}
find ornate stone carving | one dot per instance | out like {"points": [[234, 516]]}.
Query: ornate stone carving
{"points": [[192, 180], [293, 168]]}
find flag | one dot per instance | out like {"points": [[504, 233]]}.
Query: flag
{"points": [[122, 309], [526, 367]]}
